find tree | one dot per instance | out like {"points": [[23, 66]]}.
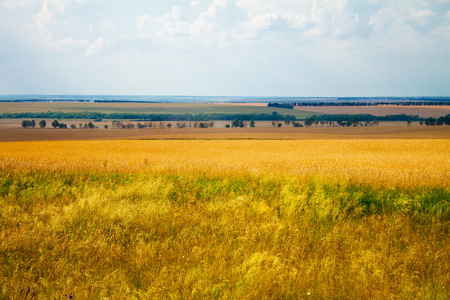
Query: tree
{"points": [[430, 121], [237, 123], [55, 124], [73, 126], [252, 123], [279, 125], [287, 122], [227, 126], [25, 123], [33, 123], [42, 124], [309, 121], [409, 121], [169, 125], [90, 125]]}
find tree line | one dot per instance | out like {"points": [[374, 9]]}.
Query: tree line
{"points": [[309, 122], [55, 124], [443, 120], [96, 116], [291, 105]]}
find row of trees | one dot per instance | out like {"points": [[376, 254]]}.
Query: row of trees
{"points": [[55, 124], [179, 124], [32, 124], [355, 121], [323, 120], [274, 116], [436, 122], [291, 105]]}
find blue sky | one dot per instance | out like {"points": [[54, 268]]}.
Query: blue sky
{"points": [[226, 47]]}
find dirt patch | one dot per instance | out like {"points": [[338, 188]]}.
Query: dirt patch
{"points": [[381, 132]]}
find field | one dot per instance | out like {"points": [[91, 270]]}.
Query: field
{"points": [[226, 219], [148, 108], [381, 110], [223, 213], [391, 131]]}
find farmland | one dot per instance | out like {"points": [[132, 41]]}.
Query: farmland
{"points": [[228, 219], [381, 110], [11, 131], [222, 213], [148, 108]]}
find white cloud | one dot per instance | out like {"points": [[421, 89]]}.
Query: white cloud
{"points": [[238, 39], [69, 42], [14, 4], [97, 46], [422, 14], [165, 25], [43, 17], [263, 21]]}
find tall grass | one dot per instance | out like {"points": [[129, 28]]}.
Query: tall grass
{"points": [[177, 232], [140, 236]]}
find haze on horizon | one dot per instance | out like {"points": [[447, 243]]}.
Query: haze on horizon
{"points": [[308, 48]]}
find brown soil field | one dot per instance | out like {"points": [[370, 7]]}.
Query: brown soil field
{"points": [[381, 110], [313, 133]]}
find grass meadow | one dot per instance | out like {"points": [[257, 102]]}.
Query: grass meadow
{"points": [[226, 219], [148, 108]]}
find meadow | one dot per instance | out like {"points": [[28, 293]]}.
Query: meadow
{"points": [[147, 108], [226, 219]]}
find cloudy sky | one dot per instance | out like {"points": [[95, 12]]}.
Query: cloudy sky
{"points": [[226, 47]]}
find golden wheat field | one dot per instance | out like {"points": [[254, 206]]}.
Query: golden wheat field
{"points": [[404, 162], [226, 219]]}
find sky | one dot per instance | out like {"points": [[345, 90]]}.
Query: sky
{"points": [[294, 48]]}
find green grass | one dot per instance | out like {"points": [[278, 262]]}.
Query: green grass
{"points": [[181, 236], [174, 108]]}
